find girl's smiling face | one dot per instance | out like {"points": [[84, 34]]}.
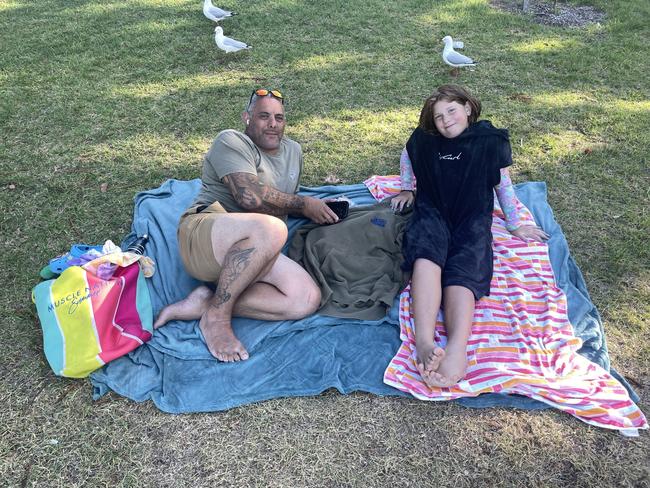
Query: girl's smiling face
{"points": [[451, 118]]}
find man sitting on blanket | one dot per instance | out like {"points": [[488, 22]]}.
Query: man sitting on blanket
{"points": [[234, 231]]}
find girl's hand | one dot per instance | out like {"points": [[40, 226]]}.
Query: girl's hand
{"points": [[530, 232], [402, 201]]}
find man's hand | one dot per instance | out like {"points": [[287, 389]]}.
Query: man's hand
{"points": [[318, 211]]}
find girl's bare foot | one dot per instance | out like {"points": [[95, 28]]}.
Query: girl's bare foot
{"points": [[451, 369], [190, 308], [428, 359], [220, 339]]}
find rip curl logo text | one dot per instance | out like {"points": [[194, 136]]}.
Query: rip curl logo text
{"points": [[449, 157]]}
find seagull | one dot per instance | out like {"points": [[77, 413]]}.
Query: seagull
{"points": [[453, 58], [226, 43], [215, 13]]}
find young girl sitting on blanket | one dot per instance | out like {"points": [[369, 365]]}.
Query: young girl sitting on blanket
{"points": [[457, 161]]}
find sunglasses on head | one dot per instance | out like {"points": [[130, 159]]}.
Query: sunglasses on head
{"points": [[263, 92]]}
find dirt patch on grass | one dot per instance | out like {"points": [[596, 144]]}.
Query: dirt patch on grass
{"points": [[562, 14]]}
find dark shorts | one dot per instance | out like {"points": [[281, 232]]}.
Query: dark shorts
{"points": [[464, 254], [195, 242]]}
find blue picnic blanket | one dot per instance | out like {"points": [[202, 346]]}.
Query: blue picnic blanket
{"points": [[294, 358]]}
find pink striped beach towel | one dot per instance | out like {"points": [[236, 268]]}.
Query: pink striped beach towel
{"points": [[522, 341]]}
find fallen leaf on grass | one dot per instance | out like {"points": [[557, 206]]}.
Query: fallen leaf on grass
{"points": [[332, 179], [103, 187], [521, 97], [84, 158]]}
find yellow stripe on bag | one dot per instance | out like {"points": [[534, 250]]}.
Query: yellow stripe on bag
{"points": [[72, 298]]}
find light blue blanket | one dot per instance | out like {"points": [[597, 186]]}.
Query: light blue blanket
{"points": [[293, 358]]}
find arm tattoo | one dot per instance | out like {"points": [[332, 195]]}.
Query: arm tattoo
{"points": [[253, 196]]}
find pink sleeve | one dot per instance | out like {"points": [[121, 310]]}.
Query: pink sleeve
{"points": [[406, 172], [508, 200]]}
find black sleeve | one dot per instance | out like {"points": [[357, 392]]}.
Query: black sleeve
{"points": [[503, 156]]}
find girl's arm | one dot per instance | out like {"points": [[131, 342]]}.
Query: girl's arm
{"points": [[508, 202], [407, 177], [406, 171]]}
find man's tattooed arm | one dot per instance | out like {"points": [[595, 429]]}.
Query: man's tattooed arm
{"points": [[253, 196]]}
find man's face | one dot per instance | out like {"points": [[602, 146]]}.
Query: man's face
{"points": [[265, 126]]}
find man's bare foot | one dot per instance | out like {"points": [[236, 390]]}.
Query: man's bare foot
{"points": [[191, 307], [221, 340], [428, 358], [451, 369]]}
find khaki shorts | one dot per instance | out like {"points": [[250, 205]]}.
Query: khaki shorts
{"points": [[195, 242]]}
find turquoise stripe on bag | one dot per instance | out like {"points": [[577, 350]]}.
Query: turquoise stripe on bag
{"points": [[143, 304], [53, 339]]}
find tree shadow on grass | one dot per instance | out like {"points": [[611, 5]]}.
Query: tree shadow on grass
{"points": [[105, 46], [98, 85]]}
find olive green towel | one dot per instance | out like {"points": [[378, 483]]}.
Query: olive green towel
{"points": [[356, 262]]}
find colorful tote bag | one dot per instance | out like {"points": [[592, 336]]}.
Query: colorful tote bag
{"points": [[88, 321]]}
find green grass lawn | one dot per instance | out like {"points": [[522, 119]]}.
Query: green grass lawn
{"points": [[101, 100]]}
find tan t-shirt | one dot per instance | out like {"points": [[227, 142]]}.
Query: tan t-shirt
{"points": [[234, 152]]}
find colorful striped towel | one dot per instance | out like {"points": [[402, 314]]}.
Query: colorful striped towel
{"points": [[522, 341]]}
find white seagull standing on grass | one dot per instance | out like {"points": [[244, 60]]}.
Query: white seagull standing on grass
{"points": [[453, 58], [226, 43], [215, 13]]}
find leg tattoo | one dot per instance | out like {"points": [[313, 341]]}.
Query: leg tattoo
{"points": [[235, 262]]}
